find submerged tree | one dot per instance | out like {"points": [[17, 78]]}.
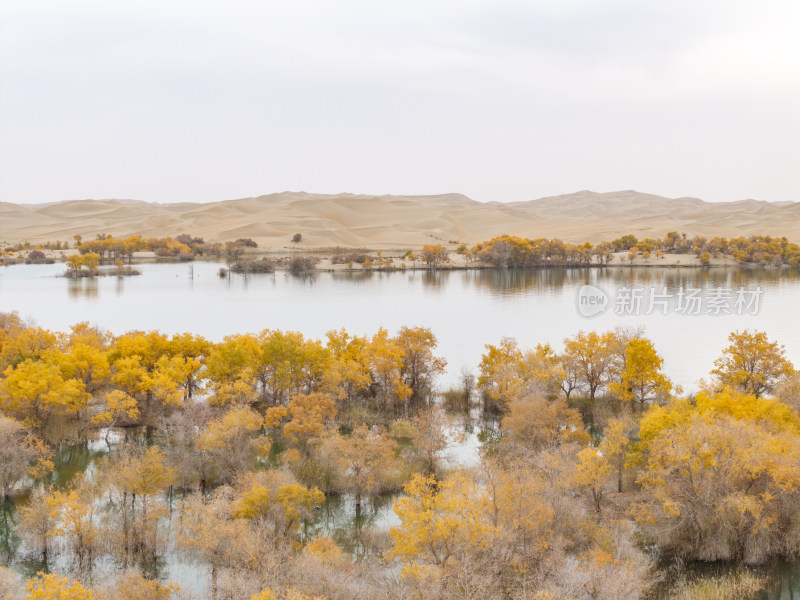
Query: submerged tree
{"points": [[368, 459], [21, 453], [36, 521], [138, 476], [419, 364]]}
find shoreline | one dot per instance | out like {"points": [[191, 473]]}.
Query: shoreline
{"points": [[244, 255], [404, 267]]}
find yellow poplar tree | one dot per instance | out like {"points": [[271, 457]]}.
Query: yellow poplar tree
{"points": [[141, 475], [615, 445], [386, 363], [293, 500], [52, 587], [722, 476], [500, 373], [119, 407], [349, 373], [752, 363], [36, 391], [310, 415], [641, 379], [132, 586], [441, 522], [74, 519], [231, 367], [231, 440], [367, 458], [591, 474], [419, 364], [591, 357]]}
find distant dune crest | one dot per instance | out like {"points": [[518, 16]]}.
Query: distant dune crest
{"points": [[400, 221]]}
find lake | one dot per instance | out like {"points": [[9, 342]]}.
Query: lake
{"points": [[688, 313], [465, 309]]}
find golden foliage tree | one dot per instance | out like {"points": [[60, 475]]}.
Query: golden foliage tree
{"points": [[284, 505], [499, 377], [722, 475], [140, 475], [640, 378], [591, 474], [752, 363], [231, 367], [433, 254], [37, 391], [386, 365], [508, 373], [84, 361], [231, 441], [368, 459], [420, 365], [53, 587], [614, 447], [132, 586], [349, 372], [119, 408], [73, 519], [309, 417], [591, 357], [535, 423], [441, 522]]}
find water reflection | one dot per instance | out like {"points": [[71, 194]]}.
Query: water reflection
{"points": [[29, 564], [82, 287], [436, 280], [359, 530], [783, 578], [785, 581], [74, 459], [505, 282], [515, 281], [9, 541]]}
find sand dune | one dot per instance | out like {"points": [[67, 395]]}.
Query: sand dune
{"points": [[399, 221]]}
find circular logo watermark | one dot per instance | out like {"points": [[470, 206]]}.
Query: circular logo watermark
{"points": [[592, 301]]}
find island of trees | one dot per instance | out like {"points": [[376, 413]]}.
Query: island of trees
{"points": [[593, 467]]}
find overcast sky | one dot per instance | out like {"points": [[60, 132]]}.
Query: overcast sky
{"points": [[498, 99]]}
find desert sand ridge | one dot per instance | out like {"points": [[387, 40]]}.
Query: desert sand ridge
{"points": [[396, 221]]}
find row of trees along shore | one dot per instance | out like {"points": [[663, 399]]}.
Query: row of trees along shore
{"points": [[593, 465], [513, 251], [502, 251], [110, 249]]}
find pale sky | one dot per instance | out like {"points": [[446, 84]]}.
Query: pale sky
{"points": [[502, 100]]}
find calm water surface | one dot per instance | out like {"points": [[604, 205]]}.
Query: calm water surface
{"points": [[465, 309]]}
